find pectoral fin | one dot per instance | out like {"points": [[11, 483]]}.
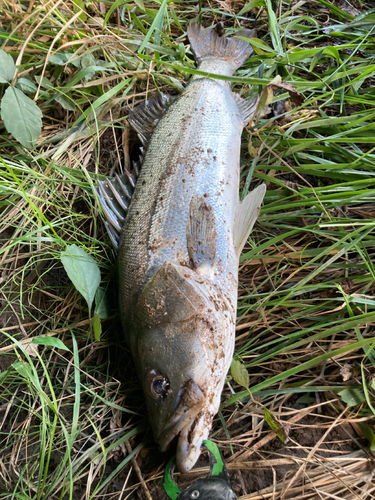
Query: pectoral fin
{"points": [[246, 215], [246, 108], [201, 232]]}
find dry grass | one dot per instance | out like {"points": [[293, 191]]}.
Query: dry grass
{"points": [[72, 422]]}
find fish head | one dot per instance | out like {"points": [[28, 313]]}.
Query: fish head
{"points": [[183, 347]]}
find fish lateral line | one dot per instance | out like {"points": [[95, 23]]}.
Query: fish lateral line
{"points": [[179, 240]]}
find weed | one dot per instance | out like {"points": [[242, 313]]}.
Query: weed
{"points": [[72, 422]]}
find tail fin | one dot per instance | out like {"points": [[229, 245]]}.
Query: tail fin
{"points": [[206, 43]]}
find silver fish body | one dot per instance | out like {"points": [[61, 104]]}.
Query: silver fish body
{"points": [[194, 150], [179, 250]]}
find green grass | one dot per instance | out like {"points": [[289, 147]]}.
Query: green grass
{"points": [[71, 420]]}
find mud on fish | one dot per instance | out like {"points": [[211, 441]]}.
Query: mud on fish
{"points": [[179, 229]]}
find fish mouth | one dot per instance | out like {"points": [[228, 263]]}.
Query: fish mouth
{"points": [[190, 441], [190, 423]]}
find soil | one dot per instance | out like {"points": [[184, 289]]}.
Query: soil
{"points": [[247, 475], [254, 473], [249, 471], [252, 470]]}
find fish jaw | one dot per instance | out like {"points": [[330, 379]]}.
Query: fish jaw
{"points": [[189, 405], [192, 422], [191, 439]]}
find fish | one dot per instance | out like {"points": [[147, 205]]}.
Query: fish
{"points": [[179, 228]]}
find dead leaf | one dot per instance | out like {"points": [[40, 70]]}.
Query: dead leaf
{"points": [[125, 146], [296, 97], [65, 42], [346, 372], [44, 38], [32, 350], [114, 425], [226, 4], [292, 185], [349, 9]]}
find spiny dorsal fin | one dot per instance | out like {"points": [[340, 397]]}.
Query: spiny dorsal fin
{"points": [[144, 117], [115, 194], [201, 232], [114, 198], [246, 108], [246, 215]]}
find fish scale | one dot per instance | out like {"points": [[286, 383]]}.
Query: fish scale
{"points": [[176, 166], [179, 246]]}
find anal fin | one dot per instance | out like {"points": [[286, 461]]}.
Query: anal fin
{"points": [[246, 215], [246, 108], [201, 232]]}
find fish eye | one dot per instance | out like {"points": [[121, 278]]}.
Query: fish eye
{"points": [[157, 384], [194, 494]]}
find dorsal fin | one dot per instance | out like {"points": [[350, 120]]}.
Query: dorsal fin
{"points": [[115, 194], [144, 117], [114, 198], [246, 215]]}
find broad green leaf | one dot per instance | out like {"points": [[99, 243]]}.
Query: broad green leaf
{"points": [[368, 433], [96, 326], [251, 5], [79, 5], [352, 396], [49, 341], [7, 67], [65, 102], [101, 303], [82, 270], [274, 424], [88, 61], [239, 373], [306, 399], [59, 59], [26, 85], [44, 82], [21, 116]]}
